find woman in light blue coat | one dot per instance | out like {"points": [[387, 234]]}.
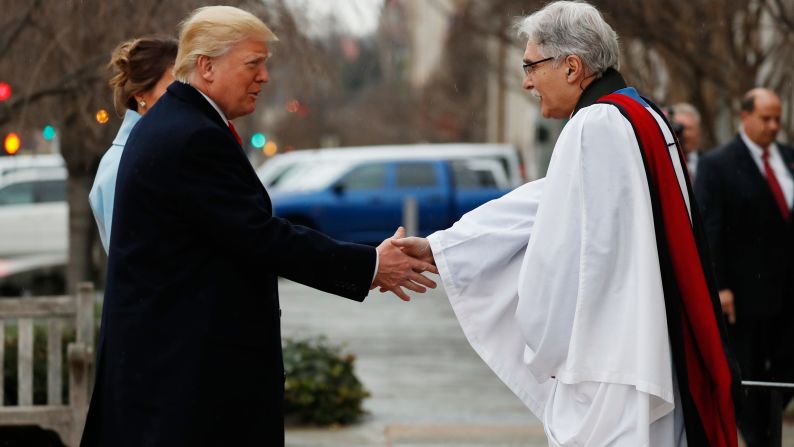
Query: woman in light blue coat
{"points": [[142, 71]]}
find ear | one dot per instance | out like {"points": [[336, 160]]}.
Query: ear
{"points": [[574, 69], [205, 68]]}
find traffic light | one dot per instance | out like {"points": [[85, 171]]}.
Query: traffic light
{"points": [[5, 91], [12, 143], [258, 140], [48, 133], [271, 148]]}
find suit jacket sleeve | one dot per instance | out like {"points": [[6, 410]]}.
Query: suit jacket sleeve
{"points": [[709, 195], [226, 202]]}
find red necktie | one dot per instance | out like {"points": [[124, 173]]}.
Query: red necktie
{"points": [[777, 191], [236, 135]]}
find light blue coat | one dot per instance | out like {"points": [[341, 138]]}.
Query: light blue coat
{"points": [[104, 189]]}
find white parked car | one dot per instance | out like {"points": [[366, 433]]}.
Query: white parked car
{"points": [[33, 213], [34, 236]]}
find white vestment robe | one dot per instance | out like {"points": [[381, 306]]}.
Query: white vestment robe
{"points": [[557, 286]]}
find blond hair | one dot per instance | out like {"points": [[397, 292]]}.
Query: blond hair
{"points": [[137, 65], [211, 31]]}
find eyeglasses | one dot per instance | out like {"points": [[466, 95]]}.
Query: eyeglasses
{"points": [[530, 67]]}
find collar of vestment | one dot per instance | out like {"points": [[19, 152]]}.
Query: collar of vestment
{"points": [[609, 82]]}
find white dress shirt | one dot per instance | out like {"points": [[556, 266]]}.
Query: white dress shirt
{"points": [[778, 166], [692, 159]]}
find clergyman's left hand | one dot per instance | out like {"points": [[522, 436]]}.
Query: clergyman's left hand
{"points": [[415, 247], [397, 269]]}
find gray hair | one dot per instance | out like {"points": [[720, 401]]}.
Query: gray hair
{"points": [[685, 108], [576, 28]]}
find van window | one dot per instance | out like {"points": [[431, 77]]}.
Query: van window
{"points": [[50, 191], [465, 176], [17, 194], [416, 175], [308, 176], [371, 176]]}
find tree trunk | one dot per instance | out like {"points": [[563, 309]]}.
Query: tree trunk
{"points": [[81, 220]]}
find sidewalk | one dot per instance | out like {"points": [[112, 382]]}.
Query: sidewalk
{"points": [[429, 388]]}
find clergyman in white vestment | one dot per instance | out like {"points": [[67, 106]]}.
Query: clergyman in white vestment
{"points": [[557, 285]]}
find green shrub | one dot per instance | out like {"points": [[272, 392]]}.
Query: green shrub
{"points": [[321, 386]]}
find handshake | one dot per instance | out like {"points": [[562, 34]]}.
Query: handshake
{"points": [[401, 262]]}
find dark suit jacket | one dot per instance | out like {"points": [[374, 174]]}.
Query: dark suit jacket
{"points": [[752, 245], [190, 349]]}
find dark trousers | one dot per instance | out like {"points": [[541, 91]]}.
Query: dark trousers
{"points": [[764, 351]]}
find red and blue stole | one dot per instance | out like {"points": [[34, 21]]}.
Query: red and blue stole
{"points": [[694, 316]]}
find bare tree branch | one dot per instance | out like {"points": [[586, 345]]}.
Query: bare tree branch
{"points": [[780, 12], [15, 31]]}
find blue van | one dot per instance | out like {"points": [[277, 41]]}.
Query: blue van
{"points": [[361, 199]]}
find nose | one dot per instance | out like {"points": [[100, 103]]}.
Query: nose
{"points": [[527, 84], [263, 76]]}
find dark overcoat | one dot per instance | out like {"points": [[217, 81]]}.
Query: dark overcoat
{"points": [[751, 243]]}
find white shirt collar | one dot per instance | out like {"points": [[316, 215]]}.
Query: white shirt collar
{"points": [[214, 106], [755, 150]]}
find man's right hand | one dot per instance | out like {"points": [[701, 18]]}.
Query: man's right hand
{"points": [[397, 270], [726, 300]]}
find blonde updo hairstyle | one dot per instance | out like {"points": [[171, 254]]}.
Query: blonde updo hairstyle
{"points": [[137, 65], [211, 31]]}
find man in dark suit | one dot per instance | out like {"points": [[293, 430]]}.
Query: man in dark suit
{"points": [[745, 190], [190, 348]]}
